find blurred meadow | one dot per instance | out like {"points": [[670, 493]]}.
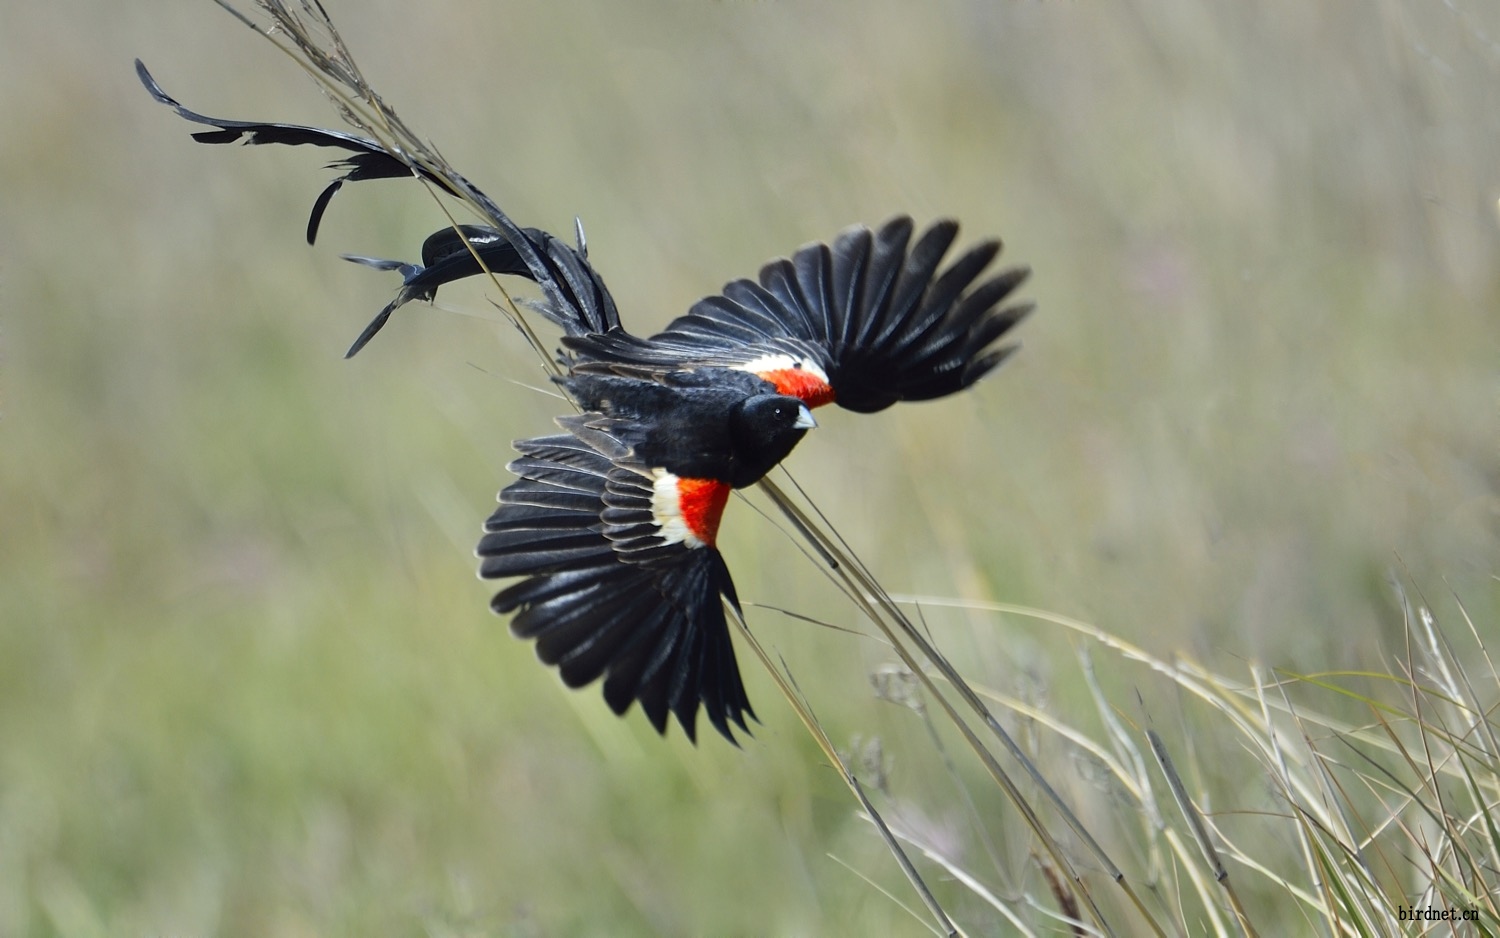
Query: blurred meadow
{"points": [[249, 684]]}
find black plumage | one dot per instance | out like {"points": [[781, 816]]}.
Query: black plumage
{"points": [[712, 423], [876, 317], [611, 526]]}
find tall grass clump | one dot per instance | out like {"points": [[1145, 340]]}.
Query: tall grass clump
{"points": [[1258, 803]]}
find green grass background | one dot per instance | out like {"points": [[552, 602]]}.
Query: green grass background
{"points": [[248, 682]]}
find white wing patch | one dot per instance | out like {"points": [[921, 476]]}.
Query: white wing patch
{"points": [[666, 506], [782, 362]]}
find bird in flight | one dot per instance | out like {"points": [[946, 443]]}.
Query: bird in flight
{"points": [[611, 524]]}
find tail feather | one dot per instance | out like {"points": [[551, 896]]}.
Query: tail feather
{"points": [[576, 297]]}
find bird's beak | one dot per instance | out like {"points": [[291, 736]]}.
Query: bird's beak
{"points": [[805, 419]]}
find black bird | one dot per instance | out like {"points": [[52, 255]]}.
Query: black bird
{"points": [[611, 525]]}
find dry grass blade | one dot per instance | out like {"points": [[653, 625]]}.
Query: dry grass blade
{"points": [[814, 727], [975, 886], [909, 644], [1195, 822]]}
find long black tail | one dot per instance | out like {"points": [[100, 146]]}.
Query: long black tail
{"points": [[576, 297], [473, 250]]}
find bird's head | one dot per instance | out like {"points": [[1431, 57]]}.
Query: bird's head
{"points": [[766, 427]]}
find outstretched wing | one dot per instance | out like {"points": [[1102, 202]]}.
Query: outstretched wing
{"points": [[866, 321], [621, 578], [576, 296]]}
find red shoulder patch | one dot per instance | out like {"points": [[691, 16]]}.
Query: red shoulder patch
{"points": [[701, 502], [800, 383]]}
